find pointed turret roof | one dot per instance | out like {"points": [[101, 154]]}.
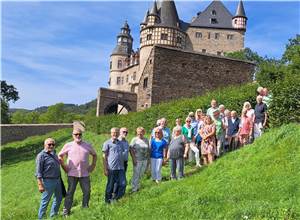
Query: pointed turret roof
{"points": [[125, 26], [240, 11], [154, 10], [168, 13], [145, 20], [216, 15]]}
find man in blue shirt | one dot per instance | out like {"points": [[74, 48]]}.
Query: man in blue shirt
{"points": [[48, 178], [113, 165]]}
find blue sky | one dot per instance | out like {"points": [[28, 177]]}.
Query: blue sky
{"points": [[59, 51]]}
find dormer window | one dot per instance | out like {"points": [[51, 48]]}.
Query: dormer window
{"points": [[213, 21], [213, 12]]}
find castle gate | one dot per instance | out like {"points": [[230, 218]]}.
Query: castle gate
{"points": [[111, 101]]}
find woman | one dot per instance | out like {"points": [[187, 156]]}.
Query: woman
{"points": [[48, 178], [200, 123], [158, 153], [251, 115], [177, 123], [246, 127], [208, 144], [139, 150], [177, 151], [188, 132]]}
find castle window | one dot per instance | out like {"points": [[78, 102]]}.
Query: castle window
{"points": [[119, 64], [198, 35], [213, 21], [150, 61], [213, 12], [203, 50], [118, 80], [145, 84], [122, 80], [164, 36], [229, 36], [127, 77], [217, 35], [134, 76], [178, 40], [208, 35], [141, 40], [149, 36], [110, 64], [109, 81]]}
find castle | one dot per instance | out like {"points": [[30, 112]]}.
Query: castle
{"points": [[175, 58]]}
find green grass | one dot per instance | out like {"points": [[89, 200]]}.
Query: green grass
{"points": [[260, 181]]}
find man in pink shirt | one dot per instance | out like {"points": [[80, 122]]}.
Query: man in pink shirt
{"points": [[77, 168]]}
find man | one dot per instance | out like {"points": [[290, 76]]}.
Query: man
{"points": [[232, 132], [113, 166], [267, 98], [260, 117], [78, 168], [219, 132], [213, 108], [48, 178], [125, 146]]}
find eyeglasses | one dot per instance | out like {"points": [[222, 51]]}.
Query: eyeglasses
{"points": [[156, 132], [51, 144], [188, 121], [78, 134]]}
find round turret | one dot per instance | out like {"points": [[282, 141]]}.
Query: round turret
{"points": [[239, 21]]}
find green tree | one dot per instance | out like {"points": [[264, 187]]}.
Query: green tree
{"points": [[8, 93], [55, 114], [246, 54]]}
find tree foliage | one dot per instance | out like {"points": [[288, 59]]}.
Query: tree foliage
{"points": [[8, 93]]}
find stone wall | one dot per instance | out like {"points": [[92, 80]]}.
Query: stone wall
{"points": [[212, 43], [17, 132], [179, 74]]}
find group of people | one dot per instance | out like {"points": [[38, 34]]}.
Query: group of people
{"points": [[203, 136]]}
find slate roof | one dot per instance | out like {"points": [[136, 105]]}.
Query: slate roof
{"points": [[240, 11], [168, 13], [222, 16]]}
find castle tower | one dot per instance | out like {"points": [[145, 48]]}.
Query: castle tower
{"points": [[119, 57], [239, 21], [161, 26]]}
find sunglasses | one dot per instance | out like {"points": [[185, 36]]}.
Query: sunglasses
{"points": [[125, 132], [51, 145], [78, 134], [156, 132]]}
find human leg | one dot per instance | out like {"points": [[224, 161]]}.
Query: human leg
{"points": [[85, 185], [158, 168], [121, 182], [56, 199], [180, 165], [173, 168], [72, 183], [49, 186], [196, 151], [153, 166], [109, 185]]}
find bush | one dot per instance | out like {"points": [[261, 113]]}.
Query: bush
{"points": [[232, 97], [285, 105]]}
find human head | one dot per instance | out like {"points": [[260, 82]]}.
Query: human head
{"points": [[158, 122], [247, 105], [216, 114], [178, 121], [265, 92], [177, 131], [233, 114], [213, 103], [123, 132], [260, 90], [77, 135], [188, 120], [227, 113], [244, 112], [140, 132], [191, 115], [49, 144], [163, 122], [114, 133], [158, 133], [221, 108], [259, 99], [208, 120], [198, 114]]}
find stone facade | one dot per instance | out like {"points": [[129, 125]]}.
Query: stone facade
{"points": [[174, 74], [214, 41], [18, 132]]}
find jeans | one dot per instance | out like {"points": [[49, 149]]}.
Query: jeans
{"points": [[179, 164], [85, 188], [156, 164], [138, 171], [52, 186], [115, 177]]}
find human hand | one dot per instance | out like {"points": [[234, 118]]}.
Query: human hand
{"points": [[41, 188], [185, 156], [91, 168]]}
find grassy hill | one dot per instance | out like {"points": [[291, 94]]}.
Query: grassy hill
{"points": [[260, 181]]}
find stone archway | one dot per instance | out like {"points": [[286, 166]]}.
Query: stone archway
{"points": [[111, 101]]}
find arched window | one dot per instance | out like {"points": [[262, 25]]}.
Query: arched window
{"points": [[119, 64]]}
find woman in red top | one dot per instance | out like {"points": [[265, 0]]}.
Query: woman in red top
{"points": [[245, 130]]}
